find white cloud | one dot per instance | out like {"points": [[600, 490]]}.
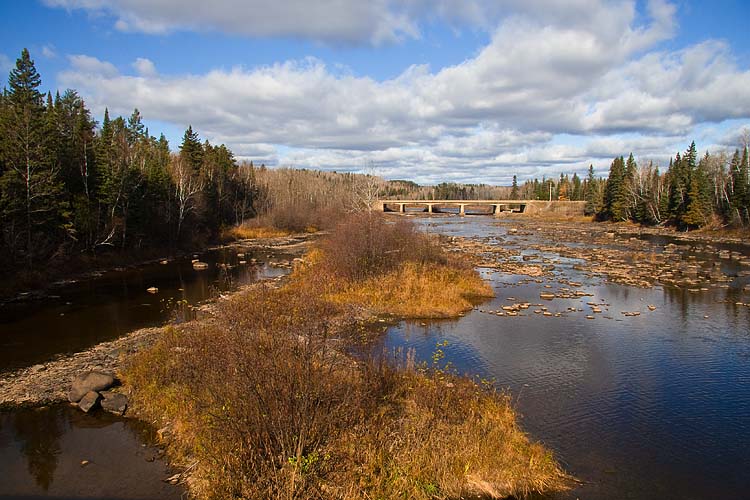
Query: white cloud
{"points": [[49, 52], [144, 67], [583, 69], [371, 21], [5, 63], [87, 66]]}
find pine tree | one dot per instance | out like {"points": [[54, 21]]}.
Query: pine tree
{"points": [[577, 194], [514, 188], [615, 207], [191, 150], [32, 206], [592, 194], [739, 194], [699, 210]]}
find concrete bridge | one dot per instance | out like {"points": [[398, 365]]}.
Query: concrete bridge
{"points": [[482, 207]]}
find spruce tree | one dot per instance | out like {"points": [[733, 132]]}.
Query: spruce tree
{"points": [[514, 188], [615, 207], [191, 150], [32, 205], [591, 194]]}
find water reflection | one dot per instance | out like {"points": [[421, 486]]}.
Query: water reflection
{"points": [[83, 314], [38, 433], [41, 451], [654, 406]]}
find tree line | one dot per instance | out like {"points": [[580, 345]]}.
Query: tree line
{"points": [[711, 191], [68, 186]]}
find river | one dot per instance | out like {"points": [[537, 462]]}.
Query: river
{"points": [[654, 406], [42, 449]]}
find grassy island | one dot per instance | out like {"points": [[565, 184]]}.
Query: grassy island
{"points": [[281, 394]]}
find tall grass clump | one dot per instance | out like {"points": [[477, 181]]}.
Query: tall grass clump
{"points": [[391, 267]]}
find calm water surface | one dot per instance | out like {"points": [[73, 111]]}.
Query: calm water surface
{"points": [[649, 407], [79, 315], [41, 451]]}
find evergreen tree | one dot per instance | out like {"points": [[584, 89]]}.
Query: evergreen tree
{"points": [[739, 192], [698, 211], [514, 188], [191, 150], [577, 193], [32, 209], [592, 194], [615, 206]]}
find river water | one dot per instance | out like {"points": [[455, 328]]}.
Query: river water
{"points": [[655, 406], [41, 449], [60, 452], [78, 315]]}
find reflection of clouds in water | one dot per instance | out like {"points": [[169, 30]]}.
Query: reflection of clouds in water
{"points": [[654, 397]]}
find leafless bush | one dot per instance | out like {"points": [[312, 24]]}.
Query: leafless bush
{"points": [[365, 244]]}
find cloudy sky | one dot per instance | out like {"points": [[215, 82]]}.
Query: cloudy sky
{"points": [[432, 91]]}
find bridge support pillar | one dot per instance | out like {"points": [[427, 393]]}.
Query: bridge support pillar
{"points": [[429, 208], [402, 207], [462, 210]]}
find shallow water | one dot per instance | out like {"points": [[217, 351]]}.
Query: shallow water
{"points": [[78, 315], [651, 407], [42, 450]]}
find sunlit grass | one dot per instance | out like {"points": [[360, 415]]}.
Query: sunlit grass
{"points": [[416, 290], [251, 232]]}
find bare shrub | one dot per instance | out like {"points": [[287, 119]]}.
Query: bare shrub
{"points": [[365, 244]]}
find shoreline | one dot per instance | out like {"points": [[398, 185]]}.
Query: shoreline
{"points": [[16, 292], [48, 382]]}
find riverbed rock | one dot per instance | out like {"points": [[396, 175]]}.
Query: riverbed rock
{"points": [[89, 401], [114, 402], [87, 382]]}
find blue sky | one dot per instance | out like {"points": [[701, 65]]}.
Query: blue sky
{"points": [[441, 90]]}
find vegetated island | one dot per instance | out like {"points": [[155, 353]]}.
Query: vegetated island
{"points": [[280, 392]]}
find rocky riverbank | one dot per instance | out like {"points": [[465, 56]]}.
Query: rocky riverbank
{"points": [[625, 254], [49, 382]]}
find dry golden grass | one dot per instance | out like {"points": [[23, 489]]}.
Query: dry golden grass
{"points": [[415, 290], [251, 232], [442, 436]]}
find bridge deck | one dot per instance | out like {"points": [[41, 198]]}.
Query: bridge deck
{"points": [[497, 206]]}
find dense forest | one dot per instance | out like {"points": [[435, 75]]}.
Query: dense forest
{"points": [[713, 190], [68, 186]]}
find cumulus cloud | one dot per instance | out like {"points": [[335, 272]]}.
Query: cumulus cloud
{"points": [[49, 52], [144, 67], [586, 69], [372, 21]]}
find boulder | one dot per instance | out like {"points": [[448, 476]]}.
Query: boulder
{"points": [[89, 381], [114, 402], [89, 401]]}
